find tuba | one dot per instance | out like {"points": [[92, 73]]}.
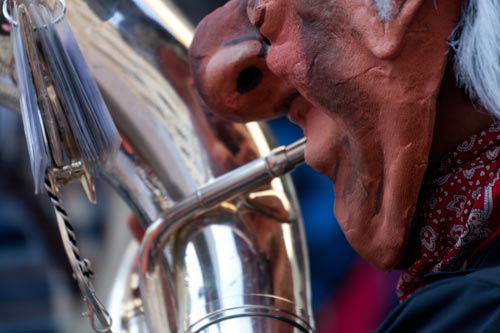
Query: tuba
{"points": [[224, 247]]}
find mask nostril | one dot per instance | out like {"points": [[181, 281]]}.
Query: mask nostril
{"points": [[248, 79]]}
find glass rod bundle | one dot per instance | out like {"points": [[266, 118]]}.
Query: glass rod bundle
{"points": [[69, 131], [68, 128]]}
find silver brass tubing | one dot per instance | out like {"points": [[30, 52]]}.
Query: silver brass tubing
{"points": [[279, 162], [206, 264]]}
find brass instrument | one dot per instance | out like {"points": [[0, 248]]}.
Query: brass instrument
{"points": [[224, 248]]}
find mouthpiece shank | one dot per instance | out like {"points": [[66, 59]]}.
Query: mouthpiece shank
{"points": [[279, 162]]}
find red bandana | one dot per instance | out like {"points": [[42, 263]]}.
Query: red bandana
{"points": [[459, 212]]}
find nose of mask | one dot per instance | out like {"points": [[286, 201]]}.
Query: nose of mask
{"points": [[228, 61]]}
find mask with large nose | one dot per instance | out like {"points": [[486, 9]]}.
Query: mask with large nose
{"points": [[228, 60], [362, 87]]}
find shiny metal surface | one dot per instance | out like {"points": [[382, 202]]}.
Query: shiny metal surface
{"points": [[232, 245], [251, 278], [126, 303], [240, 266], [128, 54]]}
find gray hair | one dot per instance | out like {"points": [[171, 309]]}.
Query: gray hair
{"points": [[476, 42], [384, 8]]}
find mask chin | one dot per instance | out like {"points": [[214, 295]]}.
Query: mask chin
{"points": [[376, 175]]}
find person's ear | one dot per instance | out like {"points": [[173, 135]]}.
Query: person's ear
{"points": [[384, 36]]}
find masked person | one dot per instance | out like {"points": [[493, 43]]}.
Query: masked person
{"points": [[398, 100]]}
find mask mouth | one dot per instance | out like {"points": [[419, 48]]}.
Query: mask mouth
{"points": [[289, 100], [297, 108]]}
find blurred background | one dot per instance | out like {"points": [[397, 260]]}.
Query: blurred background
{"points": [[37, 293]]}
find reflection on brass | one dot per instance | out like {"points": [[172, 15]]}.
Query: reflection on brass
{"points": [[208, 264]]}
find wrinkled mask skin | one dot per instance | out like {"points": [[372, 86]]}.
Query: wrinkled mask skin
{"points": [[362, 89]]}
